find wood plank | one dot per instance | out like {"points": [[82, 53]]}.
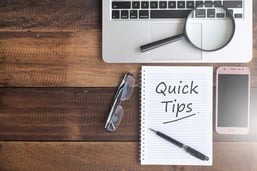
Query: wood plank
{"points": [[63, 114], [79, 114], [50, 14], [112, 156], [50, 59]]}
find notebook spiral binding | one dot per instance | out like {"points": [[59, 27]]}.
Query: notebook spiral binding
{"points": [[142, 117]]}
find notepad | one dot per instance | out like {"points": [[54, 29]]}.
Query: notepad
{"points": [[176, 101]]}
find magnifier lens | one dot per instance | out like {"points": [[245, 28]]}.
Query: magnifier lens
{"points": [[209, 28]]}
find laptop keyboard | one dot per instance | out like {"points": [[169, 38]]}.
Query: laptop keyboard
{"points": [[168, 9]]}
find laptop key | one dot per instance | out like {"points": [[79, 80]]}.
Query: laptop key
{"points": [[233, 4], [230, 11], [163, 4], [181, 4], [115, 14], [144, 4], [135, 4], [199, 3], [208, 3], [190, 4], [238, 15], [211, 13], [121, 5], [200, 13], [157, 14], [220, 15], [172, 4], [133, 14], [153, 4], [143, 14], [124, 14], [217, 3]]}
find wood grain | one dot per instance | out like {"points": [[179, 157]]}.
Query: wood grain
{"points": [[113, 156], [79, 114], [63, 114], [50, 14], [64, 59]]}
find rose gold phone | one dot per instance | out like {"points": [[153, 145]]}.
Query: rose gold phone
{"points": [[232, 100]]}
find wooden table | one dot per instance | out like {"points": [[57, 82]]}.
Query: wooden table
{"points": [[56, 92]]}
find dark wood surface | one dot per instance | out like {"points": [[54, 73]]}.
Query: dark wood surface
{"points": [[56, 92], [78, 114]]}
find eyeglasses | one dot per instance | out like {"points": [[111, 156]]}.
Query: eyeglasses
{"points": [[123, 93]]}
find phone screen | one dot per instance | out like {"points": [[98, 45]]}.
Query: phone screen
{"points": [[233, 100]]}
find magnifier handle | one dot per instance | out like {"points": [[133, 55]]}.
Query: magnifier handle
{"points": [[162, 42]]}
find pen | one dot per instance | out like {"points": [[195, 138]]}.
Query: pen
{"points": [[188, 149]]}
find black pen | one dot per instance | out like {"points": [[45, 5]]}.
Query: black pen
{"points": [[188, 149]]}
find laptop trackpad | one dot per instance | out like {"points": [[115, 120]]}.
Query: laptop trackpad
{"points": [[179, 50]]}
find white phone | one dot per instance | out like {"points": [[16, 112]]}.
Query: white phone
{"points": [[232, 100]]}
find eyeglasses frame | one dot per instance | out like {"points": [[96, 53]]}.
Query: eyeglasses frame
{"points": [[117, 101]]}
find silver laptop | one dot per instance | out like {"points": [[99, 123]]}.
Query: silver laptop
{"points": [[127, 25]]}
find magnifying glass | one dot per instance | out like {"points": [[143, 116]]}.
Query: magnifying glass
{"points": [[208, 27]]}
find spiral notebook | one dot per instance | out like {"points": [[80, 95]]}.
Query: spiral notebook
{"points": [[176, 101]]}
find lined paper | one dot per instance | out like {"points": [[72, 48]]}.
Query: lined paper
{"points": [[176, 101]]}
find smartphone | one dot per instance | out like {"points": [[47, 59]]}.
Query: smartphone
{"points": [[232, 100]]}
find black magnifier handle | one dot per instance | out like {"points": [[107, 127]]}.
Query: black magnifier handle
{"points": [[162, 42]]}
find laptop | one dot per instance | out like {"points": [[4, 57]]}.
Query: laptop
{"points": [[129, 24]]}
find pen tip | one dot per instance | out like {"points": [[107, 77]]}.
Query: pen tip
{"points": [[153, 130]]}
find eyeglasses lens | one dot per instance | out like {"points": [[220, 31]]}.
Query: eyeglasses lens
{"points": [[116, 118], [128, 88]]}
